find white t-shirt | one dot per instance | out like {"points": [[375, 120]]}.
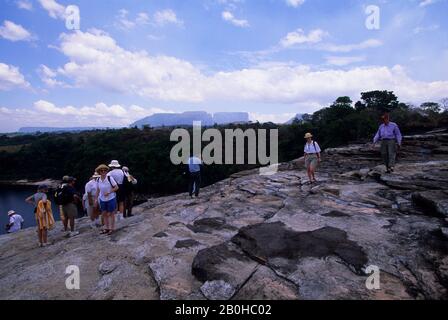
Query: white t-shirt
{"points": [[105, 186], [312, 147], [91, 188], [117, 174], [16, 220]]}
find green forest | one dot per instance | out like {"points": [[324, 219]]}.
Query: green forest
{"points": [[147, 151]]}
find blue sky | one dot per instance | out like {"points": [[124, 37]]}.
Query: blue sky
{"points": [[271, 58]]}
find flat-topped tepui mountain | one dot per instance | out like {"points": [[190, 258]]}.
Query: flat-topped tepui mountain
{"points": [[263, 237], [187, 119]]}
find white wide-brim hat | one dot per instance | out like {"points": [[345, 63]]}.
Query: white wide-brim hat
{"points": [[114, 164], [11, 212]]}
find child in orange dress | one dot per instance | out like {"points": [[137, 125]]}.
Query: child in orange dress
{"points": [[45, 221]]}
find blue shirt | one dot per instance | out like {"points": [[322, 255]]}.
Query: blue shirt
{"points": [[194, 164], [389, 132]]}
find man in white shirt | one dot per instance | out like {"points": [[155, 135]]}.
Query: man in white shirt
{"points": [[89, 200], [118, 174], [15, 222]]}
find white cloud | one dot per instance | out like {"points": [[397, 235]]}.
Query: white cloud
{"points": [[54, 9], [24, 4], [425, 3], [229, 17], [142, 18], [370, 43], [96, 61], [300, 37], [100, 113], [48, 76], [343, 61], [430, 28], [123, 22], [14, 32], [165, 17], [295, 3], [10, 77], [275, 118], [45, 113]]}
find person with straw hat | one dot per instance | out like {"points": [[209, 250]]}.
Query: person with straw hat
{"points": [[312, 156], [106, 198], [89, 201], [118, 174], [15, 222]]}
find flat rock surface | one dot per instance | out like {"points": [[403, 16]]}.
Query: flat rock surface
{"points": [[262, 237]]}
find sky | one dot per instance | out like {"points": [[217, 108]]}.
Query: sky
{"points": [[125, 60]]}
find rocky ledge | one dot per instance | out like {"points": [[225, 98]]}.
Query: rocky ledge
{"points": [[263, 237]]}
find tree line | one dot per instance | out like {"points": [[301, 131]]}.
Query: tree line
{"points": [[147, 151]]}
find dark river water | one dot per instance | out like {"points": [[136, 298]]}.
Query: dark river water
{"points": [[13, 198]]}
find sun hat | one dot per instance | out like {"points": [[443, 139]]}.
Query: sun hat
{"points": [[114, 164], [102, 167], [11, 212], [308, 135], [65, 178], [95, 175]]}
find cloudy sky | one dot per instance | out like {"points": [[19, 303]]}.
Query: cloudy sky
{"points": [[271, 58]]}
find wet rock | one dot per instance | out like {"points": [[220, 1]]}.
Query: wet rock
{"points": [[188, 243], [225, 263], [336, 214], [267, 241], [433, 202], [160, 235]]}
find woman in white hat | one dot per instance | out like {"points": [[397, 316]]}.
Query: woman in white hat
{"points": [[15, 222], [312, 156]]}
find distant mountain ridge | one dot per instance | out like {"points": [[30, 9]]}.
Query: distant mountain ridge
{"points": [[187, 119], [54, 129]]}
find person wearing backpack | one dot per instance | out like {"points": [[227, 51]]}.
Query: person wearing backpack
{"points": [[106, 198], [312, 157], [128, 189], [118, 174], [66, 197]]}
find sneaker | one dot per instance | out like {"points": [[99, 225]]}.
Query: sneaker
{"points": [[73, 233]]}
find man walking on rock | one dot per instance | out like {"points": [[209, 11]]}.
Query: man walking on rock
{"points": [[390, 136]]}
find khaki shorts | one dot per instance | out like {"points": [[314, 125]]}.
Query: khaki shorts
{"points": [[70, 210], [311, 160]]}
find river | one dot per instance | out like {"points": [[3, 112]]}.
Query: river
{"points": [[13, 198]]}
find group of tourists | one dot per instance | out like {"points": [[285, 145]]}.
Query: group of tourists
{"points": [[109, 192]]}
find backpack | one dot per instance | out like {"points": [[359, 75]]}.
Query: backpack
{"points": [[62, 197], [127, 186]]}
